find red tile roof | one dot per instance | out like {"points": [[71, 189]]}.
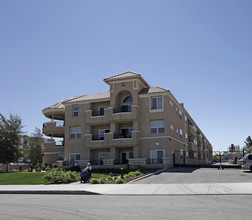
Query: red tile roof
{"points": [[126, 75], [58, 105], [97, 96], [152, 90]]}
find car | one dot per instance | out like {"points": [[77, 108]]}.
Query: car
{"points": [[246, 162]]}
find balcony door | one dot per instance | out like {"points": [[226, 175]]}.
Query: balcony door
{"points": [[126, 132], [102, 156], [156, 156]]}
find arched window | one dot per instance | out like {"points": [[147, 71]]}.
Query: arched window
{"points": [[127, 99]]}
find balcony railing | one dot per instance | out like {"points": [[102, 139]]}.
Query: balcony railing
{"points": [[97, 113], [97, 138], [120, 135], [122, 108]]}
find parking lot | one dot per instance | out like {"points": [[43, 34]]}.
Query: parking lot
{"points": [[198, 175]]}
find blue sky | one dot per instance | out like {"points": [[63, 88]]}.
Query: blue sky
{"points": [[200, 50]]}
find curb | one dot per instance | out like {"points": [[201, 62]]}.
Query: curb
{"points": [[150, 174], [55, 192]]}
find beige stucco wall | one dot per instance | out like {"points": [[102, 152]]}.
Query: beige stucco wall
{"points": [[140, 118]]}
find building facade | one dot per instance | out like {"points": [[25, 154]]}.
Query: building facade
{"points": [[132, 124]]}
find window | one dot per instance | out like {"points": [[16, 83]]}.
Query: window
{"points": [[102, 132], [171, 127], [126, 106], [73, 158], [156, 103], [60, 156], [171, 103], [156, 156], [75, 133], [157, 127], [186, 137], [127, 99], [101, 110], [103, 156], [75, 111], [180, 114], [180, 133]]}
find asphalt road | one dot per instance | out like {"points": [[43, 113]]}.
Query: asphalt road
{"points": [[60, 207], [202, 175]]}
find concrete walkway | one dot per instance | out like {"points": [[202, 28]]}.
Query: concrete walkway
{"points": [[132, 189]]}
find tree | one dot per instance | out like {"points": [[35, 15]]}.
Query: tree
{"points": [[36, 144], [10, 131], [248, 142]]}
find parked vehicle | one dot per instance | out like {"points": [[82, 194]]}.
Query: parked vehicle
{"points": [[246, 162]]}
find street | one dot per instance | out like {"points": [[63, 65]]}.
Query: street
{"points": [[59, 207]]}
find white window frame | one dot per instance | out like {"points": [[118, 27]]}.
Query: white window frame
{"points": [[76, 131], [157, 126], [75, 111], [157, 104], [156, 157]]}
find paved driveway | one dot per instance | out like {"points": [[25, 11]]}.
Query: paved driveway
{"points": [[201, 175]]}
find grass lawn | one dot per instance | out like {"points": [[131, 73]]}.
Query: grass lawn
{"points": [[31, 178], [22, 178]]}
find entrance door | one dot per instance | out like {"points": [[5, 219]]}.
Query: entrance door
{"points": [[125, 156]]}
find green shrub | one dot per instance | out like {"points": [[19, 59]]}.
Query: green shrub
{"points": [[94, 181], [37, 169], [48, 169], [119, 181], [126, 176], [102, 180], [60, 176], [110, 178], [15, 170], [115, 177]]}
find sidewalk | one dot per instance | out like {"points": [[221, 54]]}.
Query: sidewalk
{"points": [[132, 189]]}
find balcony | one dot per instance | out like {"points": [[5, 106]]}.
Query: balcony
{"points": [[191, 130], [125, 113], [98, 117], [125, 141], [95, 142], [53, 147], [111, 140], [54, 129], [55, 113]]}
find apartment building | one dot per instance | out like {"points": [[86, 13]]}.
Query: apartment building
{"points": [[132, 124]]}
